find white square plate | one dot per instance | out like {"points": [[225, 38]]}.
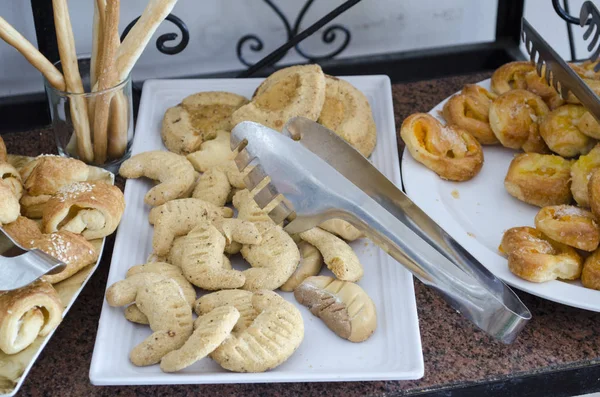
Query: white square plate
{"points": [[392, 353]]}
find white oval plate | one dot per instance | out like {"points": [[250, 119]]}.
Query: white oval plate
{"points": [[477, 212]]}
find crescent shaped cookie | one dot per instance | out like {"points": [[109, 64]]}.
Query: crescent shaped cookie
{"points": [[347, 112], [197, 118], [213, 187], [511, 76], [537, 258], [212, 153], [169, 271], [450, 152], [581, 172], [341, 229], [290, 92], [271, 338], [174, 173], [343, 306], [560, 131], [338, 255], [569, 225], [539, 179], [469, 110], [311, 262], [240, 299]]}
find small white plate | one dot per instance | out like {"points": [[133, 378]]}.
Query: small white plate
{"points": [[477, 212], [392, 353]]}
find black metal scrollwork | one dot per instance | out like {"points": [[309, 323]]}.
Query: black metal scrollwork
{"points": [[564, 13], [329, 36], [164, 38]]}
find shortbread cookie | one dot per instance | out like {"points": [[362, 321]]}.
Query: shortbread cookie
{"points": [[174, 173], [311, 262], [343, 306], [202, 260], [197, 118], [240, 299], [212, 153], [290, 92], [211, 329], [12, 177], [339, 256], [347, 112], [9, 204], [273, 261], [271, 339], [133, 314], [341, 229], [178, 217], [169, 315], [169, 271], [213, 186], [248, 210], [238, 230]]}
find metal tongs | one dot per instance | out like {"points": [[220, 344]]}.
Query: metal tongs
{"points": [[317, 176], [20, 267]]}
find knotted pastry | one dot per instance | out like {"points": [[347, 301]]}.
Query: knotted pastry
{"points": [[174, 173], [26, 313], [590, 275], [560, 131], [197, 118], [511, 76], [271, 338], [211, 329], [515, 117], [213, 186], [343, 306], [212, 153], [9, 204], [178, 218], [450, 152], [3, 153], [311, 262], [290, 92], [273, 260], [581, 173], [569, 225], [93, 210], [539, 179], [240, 299], [594, 192], [44, 176], [341, 229], [338, 255], [541, 88], [347, 112], [537, 258], [589, 126], [12, 177], [470, 110], [23, 230], [160, 299], [202, 260]]}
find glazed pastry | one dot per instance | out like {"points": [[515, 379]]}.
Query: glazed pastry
{"points": [[211, 329], [26, 313], [240, 299], [175, 174], [569, 225], [12, 177], [72, 249], [581, 173], [540, 87], [213, 186], [212, 153], [515, 117], [270, 340], [338, 255], [160, 299], [450, 152], [347, 112], [343, 306], [539, 179], [311, 262], [197, 118], [273, 261], [535, 257], [594, 192], [9, 204], [23, 230], [178, 218], [93, 210], [590, 276], [290, 92], [469, 110], [511, 76], [341, 229], [3, 153], [589, 126], [560, 131]]}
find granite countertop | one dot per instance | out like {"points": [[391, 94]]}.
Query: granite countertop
{"points": [[455, 353]]}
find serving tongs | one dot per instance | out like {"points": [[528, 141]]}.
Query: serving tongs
{"points": [[20, 267], [315, 176]]}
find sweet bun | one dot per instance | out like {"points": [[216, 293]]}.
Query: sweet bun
{"points": [[510, 76], [569, 225], [581, 173], [560, 131], [12, 177], [534, 257], [450, 152], [9, 204]]}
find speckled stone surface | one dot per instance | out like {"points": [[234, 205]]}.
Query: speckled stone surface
{"points": [[455, 353]]}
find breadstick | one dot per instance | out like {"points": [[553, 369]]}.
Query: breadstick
{"points": [[68, 57], [35, 58], [97, 35], [107, 78], [118, 126]]}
